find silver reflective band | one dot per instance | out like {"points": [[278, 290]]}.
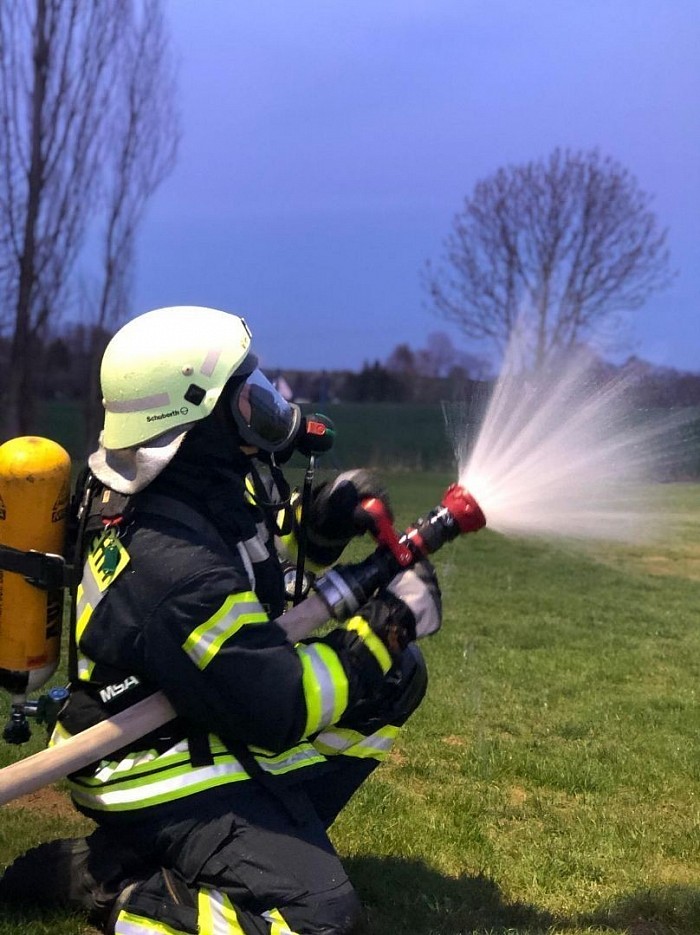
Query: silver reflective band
{"points": [[264, 418], [337, 594]]}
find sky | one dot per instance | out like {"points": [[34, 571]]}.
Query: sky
{"points": [[327, 145]]}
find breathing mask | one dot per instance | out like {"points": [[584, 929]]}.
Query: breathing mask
{"points": [[262, 416]]}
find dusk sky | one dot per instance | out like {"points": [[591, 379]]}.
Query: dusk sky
{"points": [[327, 145]]}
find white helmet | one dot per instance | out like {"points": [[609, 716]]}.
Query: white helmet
{"points": [[166, 370]]}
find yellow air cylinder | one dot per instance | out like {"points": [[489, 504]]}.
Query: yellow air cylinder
{"points": [[34, 499]]}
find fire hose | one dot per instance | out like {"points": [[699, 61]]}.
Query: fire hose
{"points": [[340, 592]]}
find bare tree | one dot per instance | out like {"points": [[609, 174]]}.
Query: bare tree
{"points": [[439, 356], [52, 93], [570, 243], [142, 147], [60, 73]]}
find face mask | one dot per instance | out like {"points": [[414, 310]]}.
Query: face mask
{"points": [[263, 417]]}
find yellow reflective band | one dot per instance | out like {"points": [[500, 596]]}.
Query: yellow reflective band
{"points": [[85, 666], [278, 926], [216, 915], [105, 562], [142, 791], [237, 611], [249, 489], [85, 669], [324, 683], [371, 641], [82, 620], [130, 924], [280, 517], [59, 734], [289, 541], [144, 779], [342, 740], [305, 754]]}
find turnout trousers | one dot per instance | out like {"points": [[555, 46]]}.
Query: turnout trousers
{"points": [[258, 863]]}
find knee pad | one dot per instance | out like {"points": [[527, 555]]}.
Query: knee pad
{"points": [[345, 914], [333, 913]]}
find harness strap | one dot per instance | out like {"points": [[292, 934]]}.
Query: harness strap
{"points": [[85, 511], [42, 569], [162, 505]]}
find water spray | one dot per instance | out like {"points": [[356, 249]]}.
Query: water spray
{"points": [[565, 452]]}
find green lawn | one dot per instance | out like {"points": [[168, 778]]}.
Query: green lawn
{"points": [[550, 782]]}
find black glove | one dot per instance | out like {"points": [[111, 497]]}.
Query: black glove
{"points": [[333, 517], [409, 608]]}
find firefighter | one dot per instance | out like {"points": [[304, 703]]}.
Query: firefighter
{"points": [[218, 821]]}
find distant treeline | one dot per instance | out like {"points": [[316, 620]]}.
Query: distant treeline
{"points": [[398, 387], [62, 365], [653, 387]]}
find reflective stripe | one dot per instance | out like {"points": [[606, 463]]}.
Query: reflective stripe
{"points": [[247, 565], [289, 541], [89, 594], [85, 668], [216, 915], [93, 587], [146, 778], [353, 743], [140, 792], [372, 642], [325, 685], [237, 611], [304, 754], [128, 923], [210, 361], [83, 614], [138, 404], [278, 926], [249, 489], [58, 734], [256, 549]]}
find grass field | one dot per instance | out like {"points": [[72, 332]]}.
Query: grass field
{"points": [[550, 782]]}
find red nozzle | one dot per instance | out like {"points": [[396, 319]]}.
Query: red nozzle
{"points": [[464, 508], [374, 513]]}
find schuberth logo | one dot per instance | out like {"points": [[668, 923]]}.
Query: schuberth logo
{"points": [[168, 415]]}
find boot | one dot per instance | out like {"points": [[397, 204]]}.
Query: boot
{"points": [[49, 876], [79, 874]]}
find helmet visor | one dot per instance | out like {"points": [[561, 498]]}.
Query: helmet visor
{"points": [[264, 418]]}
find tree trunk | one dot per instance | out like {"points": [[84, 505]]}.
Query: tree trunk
{"points": [[19, 407]]}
